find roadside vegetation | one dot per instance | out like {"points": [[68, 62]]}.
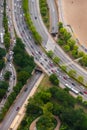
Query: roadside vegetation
{"points": [[3, 89], [54, 101], [36, 36], [44, 12], [66, 41], [72, 73], [24, 65], [5, 25], [2, 55]]}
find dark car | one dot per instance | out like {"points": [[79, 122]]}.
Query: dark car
{"points": [[25, 89], [73, 84], [17, 108], [81, 93]]}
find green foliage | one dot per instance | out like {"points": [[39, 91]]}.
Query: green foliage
{"points": [[54, 80], [79, 99], [72, 73], [75, 53], [67, 48], [27, 16], [2, 64], [64, 68], [46, 123], [80, 79], [60, 25], [23, 76], [56, 60], [83, 61], [5, 24], [3, 88], [7, 75], [26, 63], [71, 43], [50, 53], [2, 53], [44, 12]]}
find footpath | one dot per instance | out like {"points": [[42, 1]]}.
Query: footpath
{"points": [[33, 124]]}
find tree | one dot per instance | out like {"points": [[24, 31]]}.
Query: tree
{"points": [[56, 59], [71, 43], [67, 48], [2, 52], [60, 42], [50, 53], [64, 68], [23, 76], [80, 79], [75, 53], [79, 99], [81, 54], [2, 64], [60, 25], [7, 75], [83, 61], [72, 73], [54, 80]]}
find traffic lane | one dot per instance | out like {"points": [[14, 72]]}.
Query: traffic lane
{"points": [[67, 58], [53, 16], [26, 38], [34, 16], [78, 71], [19, 102]]}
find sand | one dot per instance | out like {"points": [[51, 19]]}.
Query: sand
{"points": [[75, 14]]}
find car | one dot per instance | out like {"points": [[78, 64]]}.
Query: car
{"points": [[65, 77], [85, 92], [14, 77], [39, 52], [5, 96], [17, 108], [81, 93], [35, 17], [25, 89], [51, 64], [73, 84]]}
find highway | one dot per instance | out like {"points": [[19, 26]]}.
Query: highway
{"points": [[53, 16], [33, 49], [57, 50], [41, 58], [19, 102]]}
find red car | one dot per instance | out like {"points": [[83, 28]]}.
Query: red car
{"points": [[85, 92], [65, 77]]}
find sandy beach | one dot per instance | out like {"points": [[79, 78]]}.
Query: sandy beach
{"points": [[75, 14]]}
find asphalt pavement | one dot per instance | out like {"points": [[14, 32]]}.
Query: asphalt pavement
{"points": [[19, 102]]}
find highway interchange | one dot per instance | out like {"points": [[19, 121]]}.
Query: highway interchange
{"points": [[39, 56], [34, 49]]}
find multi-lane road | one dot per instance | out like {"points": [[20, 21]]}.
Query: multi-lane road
{"points": [[34, 8], [33, 49], [39, 56]]}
